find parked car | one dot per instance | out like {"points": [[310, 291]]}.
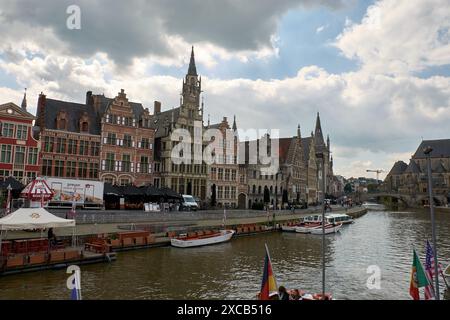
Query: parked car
{"points": [[189, 203]]}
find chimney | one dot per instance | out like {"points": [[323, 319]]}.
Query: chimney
{"points": [[89, 100], [157, 107], [41, 110]]}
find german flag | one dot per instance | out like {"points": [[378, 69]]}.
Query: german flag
{"points": [[269, 283]]}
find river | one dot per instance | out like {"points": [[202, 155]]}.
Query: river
{"points": [[233, 270]]}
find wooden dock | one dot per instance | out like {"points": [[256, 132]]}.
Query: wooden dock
{"points": [[22, 264]]}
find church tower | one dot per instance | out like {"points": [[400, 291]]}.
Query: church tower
{"points": [[192, 85]]}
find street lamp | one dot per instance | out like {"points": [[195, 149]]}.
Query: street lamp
{"points": [[427, 151], [321, 156]]}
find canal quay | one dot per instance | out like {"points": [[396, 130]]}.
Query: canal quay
{"points": [[232, 270]]}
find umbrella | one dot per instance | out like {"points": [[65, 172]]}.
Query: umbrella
{"points": [[151, 191], [112, 190], [15, 185], [131, 190], [169, 193]]}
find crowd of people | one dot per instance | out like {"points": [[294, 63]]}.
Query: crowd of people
{"points": [[295, 294]]}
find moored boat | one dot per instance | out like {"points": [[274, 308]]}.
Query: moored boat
{"points": [[308, 223], [203, 240], [341, 218], [329, 228]]}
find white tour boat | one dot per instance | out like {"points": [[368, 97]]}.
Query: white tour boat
{"points": [[203, 240], [308, 223], [329, 228], [339, 218]]}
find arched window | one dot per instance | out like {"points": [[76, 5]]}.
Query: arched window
{"points": [[254, 189], [259, 190]]}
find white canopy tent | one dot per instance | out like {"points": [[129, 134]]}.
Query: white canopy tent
{"points": [[32, 218]]}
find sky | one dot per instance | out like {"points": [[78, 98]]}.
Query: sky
{"points": [[377, 71]]}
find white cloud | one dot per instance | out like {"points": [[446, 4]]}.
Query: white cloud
{"points": [[321, 28], [399, 36]]}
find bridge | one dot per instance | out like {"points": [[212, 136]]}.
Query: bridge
{"points": [[409, 200]]}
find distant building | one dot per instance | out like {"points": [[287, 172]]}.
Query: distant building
{"points": [[412, 179], [19, 150]]}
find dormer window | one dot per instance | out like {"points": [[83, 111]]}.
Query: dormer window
{"points": [[61, 121], [84, 127]]}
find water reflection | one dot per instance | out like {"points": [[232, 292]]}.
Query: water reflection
{"points": [[233, 270]]}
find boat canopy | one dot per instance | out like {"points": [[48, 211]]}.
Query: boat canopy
{"points": [[33, 218]]}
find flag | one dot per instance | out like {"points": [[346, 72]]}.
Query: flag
{"points": [[269, 284], [76, 290], [429, 262], [418, 277]]}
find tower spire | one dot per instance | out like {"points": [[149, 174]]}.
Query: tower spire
{"points": [[299, 134], [234, 123], [24, 100], [318, 132], [192, 68]]}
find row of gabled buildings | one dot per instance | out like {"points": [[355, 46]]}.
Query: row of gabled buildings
{"points": [[122, 142], [412, 179]]}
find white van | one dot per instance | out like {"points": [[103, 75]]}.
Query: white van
{"points": [[189, 203]]}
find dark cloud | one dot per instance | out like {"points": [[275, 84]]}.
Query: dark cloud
{"points": [[136, 28]]}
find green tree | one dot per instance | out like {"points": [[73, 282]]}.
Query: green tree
{"points": [[348, 188]]}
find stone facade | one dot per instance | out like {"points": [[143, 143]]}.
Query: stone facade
{"points": [[223, 174], [185, 178], [412, 179]]}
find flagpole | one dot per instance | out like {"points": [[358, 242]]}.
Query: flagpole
{"points": [[270, 261], [427, 152]]}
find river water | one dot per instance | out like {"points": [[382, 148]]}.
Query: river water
{"points": [[234, 270]]}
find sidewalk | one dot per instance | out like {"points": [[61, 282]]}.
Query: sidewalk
{"points": [[191, 220]]}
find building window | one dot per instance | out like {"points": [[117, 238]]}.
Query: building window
{"points": [[47, 167], [227, 192], [32, 156], [21, 132], [71, 169], [72, 146], [4, 174], [124, 181], [84, 148], [19, 156], [109, 180], [220, 174], [233, 175], [127, 141], [144, 165], [145, 143], [227, 174], [93, 170], [6, 153], [18, 174], [48, 144], [31, 176], [220, 192], [213, 173], [85, 126], [111, 139], [109, 164], [61, 145], [62, 124], [126, 163], [8, 130], [95, 149], [82, 170], [59, 168]]}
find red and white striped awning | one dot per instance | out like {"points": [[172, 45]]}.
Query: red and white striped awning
{"points": [[37, 190]]}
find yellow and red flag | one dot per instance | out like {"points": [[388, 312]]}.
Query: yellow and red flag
{"points": [[269, 283]]}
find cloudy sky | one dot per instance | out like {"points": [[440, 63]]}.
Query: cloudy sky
{"points": [[377, 71]]}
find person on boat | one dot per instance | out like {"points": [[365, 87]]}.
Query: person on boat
{"points": [[283, 293], [274, 296], [295, 295], [51, 237]]}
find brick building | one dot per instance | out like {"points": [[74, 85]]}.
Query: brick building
{"points": [[103, 139], [19, 150]]}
